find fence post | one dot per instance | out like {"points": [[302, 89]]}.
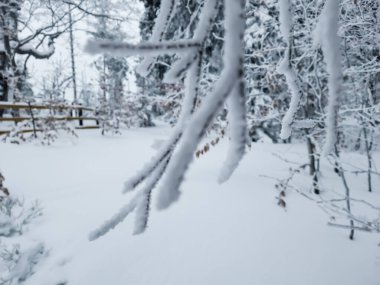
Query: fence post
{"points": [[80, 117], [33, 120]]}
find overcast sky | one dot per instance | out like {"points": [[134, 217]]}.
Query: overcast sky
{"points": [[86, 72]]}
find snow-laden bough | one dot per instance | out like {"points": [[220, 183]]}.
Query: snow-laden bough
{"points": [[286, 68], [169, 166], [327, 35]]}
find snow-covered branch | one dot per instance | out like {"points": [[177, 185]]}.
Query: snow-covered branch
{"points": [[169, 165], [126, 49], [196, 128], [327, 35], [39, 54], [287, 69], [238, 131], [160, 26], [208, 13]]}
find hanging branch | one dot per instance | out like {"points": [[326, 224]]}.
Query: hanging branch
{"points": [[169, 167], [153, 171], [126, 49], [197, 126], [287, 69], [327, 36], [238, 130], [160, 26], [179, 68]]}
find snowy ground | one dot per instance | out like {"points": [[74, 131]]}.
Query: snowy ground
{"points": [[229, 234]]}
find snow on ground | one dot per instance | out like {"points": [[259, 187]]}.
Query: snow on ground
{"points": [[229, 234]]}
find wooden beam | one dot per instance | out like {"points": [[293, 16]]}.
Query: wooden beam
{"points": [[17, 106], [20, 119], [87, 127], [40, 130], [21, 131]]}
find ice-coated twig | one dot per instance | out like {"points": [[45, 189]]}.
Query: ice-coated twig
{"points": [[191, 93], [287, 69], [140, 203], [194, 131], [364, 229], [327, 35], [173, 159], [127, 49], [144, 201], [179, 68], [159, 28], [165, 151], [238, 131], [188, 107], [207, 15], [114, 221]]}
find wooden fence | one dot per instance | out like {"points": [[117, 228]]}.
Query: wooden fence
{"points": [[75, 114]]}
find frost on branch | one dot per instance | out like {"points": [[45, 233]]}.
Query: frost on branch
{"points": [[191, 90], [166, 13], [327, 35], [113, 222], [143, 205], [151, 166], [179, 68], [287, 69], [168, 167], [197, 126], [40, 54], [126, 49], [238, 131]]}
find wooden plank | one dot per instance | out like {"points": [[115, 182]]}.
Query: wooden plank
{"points": [[39, 130], [87, 127], [21, 131], [20, 119], [15, 119], [17, 106]]}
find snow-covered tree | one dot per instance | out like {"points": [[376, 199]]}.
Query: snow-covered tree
{"points": [[112, 70], [279, 48], [266, 89], [11, 44], [170, 166]]}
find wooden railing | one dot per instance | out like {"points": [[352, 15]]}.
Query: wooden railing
{"points": [[75, 111]]}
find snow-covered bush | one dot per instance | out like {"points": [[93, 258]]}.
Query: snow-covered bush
{"points": [[19, 263], [16, 263], [43, 125], [42, 130], [15, 215], [109, 119], [4, 192], [132, 111]]}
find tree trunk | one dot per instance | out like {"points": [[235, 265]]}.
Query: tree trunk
{"points": [[72, 54], [313, 164], [8, 29]]}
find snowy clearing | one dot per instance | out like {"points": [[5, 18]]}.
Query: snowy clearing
{"points": [[232, 233]]}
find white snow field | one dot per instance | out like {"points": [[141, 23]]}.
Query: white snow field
{"points": [[229, 234]]}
